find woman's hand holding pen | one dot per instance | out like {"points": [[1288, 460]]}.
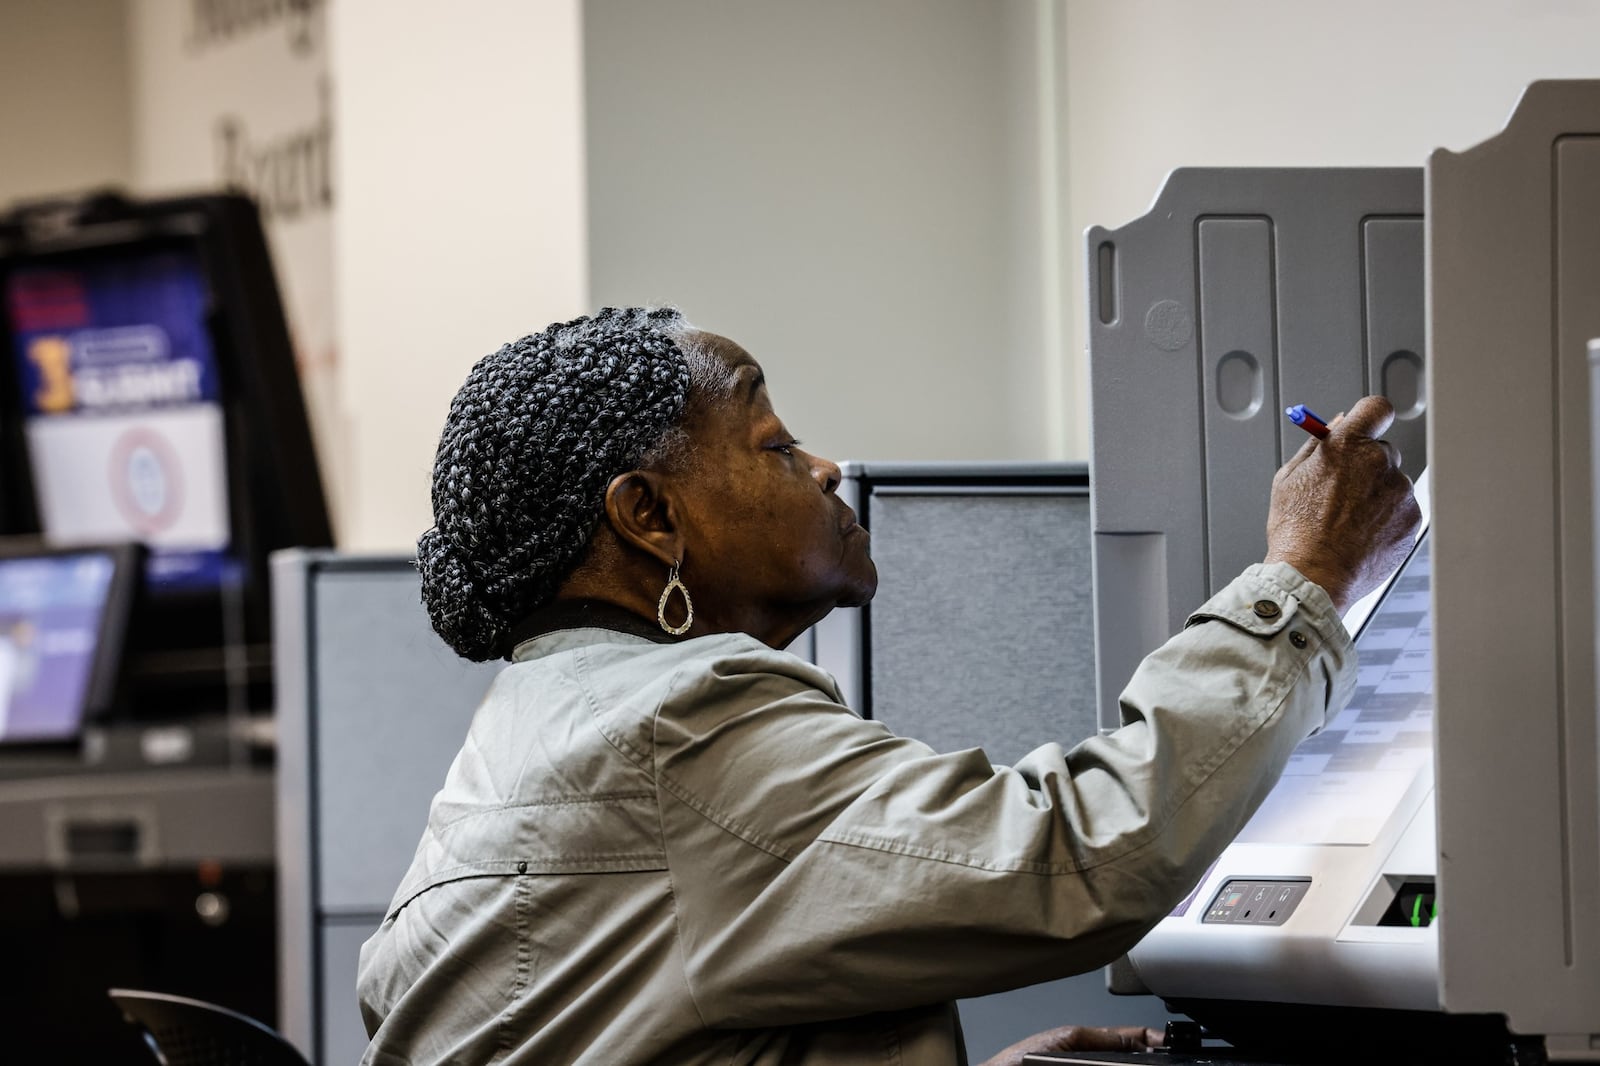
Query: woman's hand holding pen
{"points": [[1342, 512]]}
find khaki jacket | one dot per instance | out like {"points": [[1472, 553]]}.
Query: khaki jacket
{"points": [[693, 853]]}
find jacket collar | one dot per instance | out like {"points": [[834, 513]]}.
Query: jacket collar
{"points": [[570, 616]]}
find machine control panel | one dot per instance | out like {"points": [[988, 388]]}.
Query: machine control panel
{"points": [[1256, 902]]}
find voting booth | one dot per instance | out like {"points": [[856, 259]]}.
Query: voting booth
{"points": [[1428, 868]]}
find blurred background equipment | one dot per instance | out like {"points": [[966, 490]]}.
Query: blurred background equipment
{"points": [[149, 400]]}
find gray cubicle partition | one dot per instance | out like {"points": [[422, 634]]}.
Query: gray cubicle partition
{"points": [[1514, 297], [1241, 292], [372, 707], [981, 635], [982, 631]]}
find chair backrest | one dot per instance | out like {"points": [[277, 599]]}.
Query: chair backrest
{"points": [[191, 1032]]}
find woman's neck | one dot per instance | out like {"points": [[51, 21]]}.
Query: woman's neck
{"points": [[582, 613]]}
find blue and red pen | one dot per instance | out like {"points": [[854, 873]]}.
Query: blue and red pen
{"points": [[1306, 419]]}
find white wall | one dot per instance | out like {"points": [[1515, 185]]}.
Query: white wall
{"points": [[460, 160], [64, 115], [1156, 84], [856, 192], [238, 95], [884, 201]]}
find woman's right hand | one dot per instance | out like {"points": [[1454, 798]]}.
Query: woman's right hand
{"points": [[1342, 512]]}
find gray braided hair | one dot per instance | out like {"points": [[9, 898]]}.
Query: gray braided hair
{"points": [[532, 440]]}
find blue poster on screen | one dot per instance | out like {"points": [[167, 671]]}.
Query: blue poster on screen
{"points": [[113, 334], [122, 403]]}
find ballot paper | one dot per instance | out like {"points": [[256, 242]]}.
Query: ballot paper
{"points": [[1342, 784]]}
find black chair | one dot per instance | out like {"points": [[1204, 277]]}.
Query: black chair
{"points": [[189, 1032]]}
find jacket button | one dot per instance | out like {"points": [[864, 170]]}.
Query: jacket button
{"points": [[522, 867], [1266, 609], [1297, 638]]}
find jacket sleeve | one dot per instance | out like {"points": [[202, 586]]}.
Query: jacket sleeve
{"points": [[822, 866]]}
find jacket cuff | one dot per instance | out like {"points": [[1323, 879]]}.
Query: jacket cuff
{"points": [[1275, 601]]}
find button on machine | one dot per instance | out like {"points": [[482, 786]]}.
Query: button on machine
{"points": [[1255, 902]]}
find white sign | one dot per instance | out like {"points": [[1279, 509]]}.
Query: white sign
{"points": [[158, 477]]}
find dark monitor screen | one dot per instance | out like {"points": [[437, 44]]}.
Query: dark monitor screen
{"points": [[62, 617], [121, 408]]}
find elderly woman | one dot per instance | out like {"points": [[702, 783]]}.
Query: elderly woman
{"points": [[667, 841]]}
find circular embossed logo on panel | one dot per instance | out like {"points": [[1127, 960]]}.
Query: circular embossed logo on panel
{"points": [[1169, 325]]}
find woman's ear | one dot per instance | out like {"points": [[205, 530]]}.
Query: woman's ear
{"points": [[640, 511]]}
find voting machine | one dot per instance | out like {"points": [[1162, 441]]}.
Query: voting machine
{"points": [[1430, 861]]}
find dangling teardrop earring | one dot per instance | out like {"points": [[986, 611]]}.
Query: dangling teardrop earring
{"points": [[688, 604]]}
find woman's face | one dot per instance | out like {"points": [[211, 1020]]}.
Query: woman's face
{"points": [[769, 548]]}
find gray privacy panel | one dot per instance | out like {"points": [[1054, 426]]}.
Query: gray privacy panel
{"points": [[393, 703], [1241, 292], [982, 630], [1513, 241], [344, 1036], [372, 708], [981, 635]]}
